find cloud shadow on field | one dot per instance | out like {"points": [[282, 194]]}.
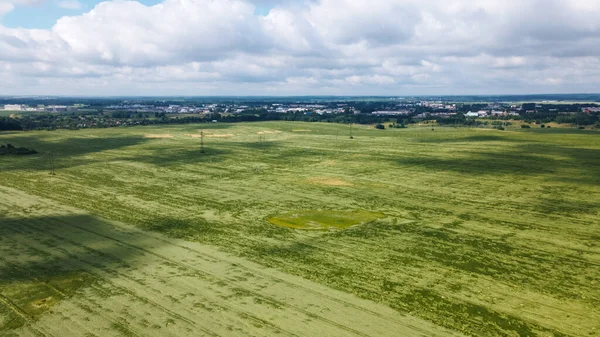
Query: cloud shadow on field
{"points": [[257, 145], [524, 160], [476, 138], [210, 126], [69, 152], [182, 229], [483, 164], [182, 156], [46, 259], [49, 241], [561, 206]]}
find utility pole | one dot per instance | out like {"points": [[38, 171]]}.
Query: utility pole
{"points": [[201, 141], [51, 160]]}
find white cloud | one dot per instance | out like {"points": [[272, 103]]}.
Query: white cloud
{"points": [[312, 47], [8, 5]]}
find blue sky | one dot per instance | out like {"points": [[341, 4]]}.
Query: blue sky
{"points": [[45, 14]]}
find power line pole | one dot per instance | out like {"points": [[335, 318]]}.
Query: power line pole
{"points": [[51, 160], [201, 141]]}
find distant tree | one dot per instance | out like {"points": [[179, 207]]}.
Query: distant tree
{"points": [[380, 126], [529, 106], [8, 124]]}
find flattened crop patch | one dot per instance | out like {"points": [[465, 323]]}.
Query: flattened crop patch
{"points": [[327, 181], [267, 132], [324, 220]]}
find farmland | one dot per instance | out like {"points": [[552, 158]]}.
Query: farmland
{"points": [[295, 229]]}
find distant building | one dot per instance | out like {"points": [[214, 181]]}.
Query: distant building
{"points": [[56, 108], [589, 110], [391, 113], [472, 114], [14, 107]]}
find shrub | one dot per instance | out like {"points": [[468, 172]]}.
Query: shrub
{"points": [[380, 126], [525, 126], [542, 126], [501, 128]]}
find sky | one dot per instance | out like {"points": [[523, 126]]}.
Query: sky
{"points": [[299, 47]]}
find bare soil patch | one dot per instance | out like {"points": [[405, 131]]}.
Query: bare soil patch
{"points": [[42, 303], [301, 130]]}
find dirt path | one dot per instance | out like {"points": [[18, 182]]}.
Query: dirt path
{"points": [[139, 283]]}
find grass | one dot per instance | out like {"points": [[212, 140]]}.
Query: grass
{"points": [[485, 232], [319, 220]]}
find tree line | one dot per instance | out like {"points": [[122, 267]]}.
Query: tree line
{"points": [[99, 119]]}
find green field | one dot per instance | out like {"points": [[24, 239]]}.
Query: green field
{"points": [[480, 231]]}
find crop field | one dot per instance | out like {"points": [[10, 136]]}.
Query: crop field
{"points": [[282, 228]]}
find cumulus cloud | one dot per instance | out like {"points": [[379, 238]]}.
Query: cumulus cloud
{"points": [[309, 47]]}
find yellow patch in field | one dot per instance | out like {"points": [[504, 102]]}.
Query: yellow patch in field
{"points": [[43, 303], [301, 130], [267, 132], [217, 135], [328, 181], [158, 136]]}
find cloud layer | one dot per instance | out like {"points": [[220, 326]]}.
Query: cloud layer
{"points": [[387, 47]]}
